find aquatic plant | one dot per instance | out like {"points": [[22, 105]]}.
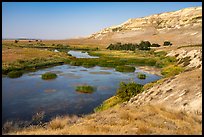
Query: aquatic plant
{"points": [[141, 76], [85, 89], [49, 75], [125, 68], [15, 74], [88, 64], [76, 63]]}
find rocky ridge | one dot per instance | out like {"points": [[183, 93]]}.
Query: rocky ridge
{"points": [[182, 23], [182, 92]]}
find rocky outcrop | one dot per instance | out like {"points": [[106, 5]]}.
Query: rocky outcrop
{"points": [[174, 26], [182, 92], [188, 58]]}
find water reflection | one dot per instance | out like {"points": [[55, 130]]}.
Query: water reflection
{"points": [[80, 54], [25, 96]]}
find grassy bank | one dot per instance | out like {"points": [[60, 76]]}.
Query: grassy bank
{"points": [[26, 59], [35, 55], [123, 94]]}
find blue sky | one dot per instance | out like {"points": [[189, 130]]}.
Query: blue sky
{"points": [[63, 20]]}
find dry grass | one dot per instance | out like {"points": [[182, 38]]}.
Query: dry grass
{"points": [[58, 123], [146, 119], [14, 54]]}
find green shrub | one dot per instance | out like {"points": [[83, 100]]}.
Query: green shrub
{"points": [[155, 45], [15, 74], [125, 69], [165, 61], [49, 75], [167, 43], [141, 76], [144, 45], [126, 91], [85, 89], [171, 70]]}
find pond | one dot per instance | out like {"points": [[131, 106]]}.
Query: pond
{"points": [[80, 54], [25, 96]]}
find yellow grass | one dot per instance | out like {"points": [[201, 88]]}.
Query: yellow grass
{"points": [[14, 54], [146, 119]]}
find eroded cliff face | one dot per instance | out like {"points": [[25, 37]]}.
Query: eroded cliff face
{"points": [[184, 25], [182, 92]]}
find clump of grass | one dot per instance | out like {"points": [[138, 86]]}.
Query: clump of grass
{"points": [[125, 69], [49, 75], [114, 100], [8, 127], [88, 65], [38, 117], [58, 123], [85, 89], [141, 76], [171, 70], [15, 74], [75, 63]]}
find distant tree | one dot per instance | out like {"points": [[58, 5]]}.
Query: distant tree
{"points": [[155, 45], [144, 45], [167, 43]]}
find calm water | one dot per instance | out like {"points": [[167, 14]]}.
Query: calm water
{"points": [[25, 96], [79, 54]]}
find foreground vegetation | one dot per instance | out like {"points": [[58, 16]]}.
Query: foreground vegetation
{"points": [[124, 93], [125, 120]]}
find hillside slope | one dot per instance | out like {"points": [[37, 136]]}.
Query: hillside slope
{"points": [[180, 27]]}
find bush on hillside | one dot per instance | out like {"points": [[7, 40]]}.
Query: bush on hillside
{"points": [[127, 91], [155, 45], [167, 43]]}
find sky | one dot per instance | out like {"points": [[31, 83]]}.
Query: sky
{"points": [[64, 20]]}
